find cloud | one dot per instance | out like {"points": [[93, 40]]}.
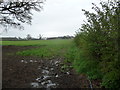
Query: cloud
{"points": [[59, 17]]}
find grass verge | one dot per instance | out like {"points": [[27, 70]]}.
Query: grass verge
{"points": [[82, 64]]}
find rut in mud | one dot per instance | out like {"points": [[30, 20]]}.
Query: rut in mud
{"points": [[34, 72]]}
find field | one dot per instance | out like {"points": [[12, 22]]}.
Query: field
{"points": [[37, 42], [90, 60], [41, 64], [50, 48], [38, 64]]}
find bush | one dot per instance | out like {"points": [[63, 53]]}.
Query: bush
{"points": [[98, 42]]}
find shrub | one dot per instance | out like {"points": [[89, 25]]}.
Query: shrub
{"points": [[98, 41]]}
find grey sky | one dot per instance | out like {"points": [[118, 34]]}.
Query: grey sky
{"points": [[58, 18]]}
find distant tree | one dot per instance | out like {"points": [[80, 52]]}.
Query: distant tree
{"points": [[13, 13], [40, 36], [19, 38], [28, 37]]}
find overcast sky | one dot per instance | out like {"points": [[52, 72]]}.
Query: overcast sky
{"points": [[58, 18]]}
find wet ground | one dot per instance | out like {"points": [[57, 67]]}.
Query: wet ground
{"points": [[34, 72]]}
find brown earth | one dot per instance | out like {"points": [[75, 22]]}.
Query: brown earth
{"points": [[34, 72]]}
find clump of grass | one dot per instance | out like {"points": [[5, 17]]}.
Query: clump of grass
{"points": [[44, 52], [82, 64]]}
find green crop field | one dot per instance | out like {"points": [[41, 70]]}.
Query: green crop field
{"points": [[46, 48], [38, 42]]}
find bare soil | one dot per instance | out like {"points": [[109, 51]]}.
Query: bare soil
{"points": [[34, 72]]}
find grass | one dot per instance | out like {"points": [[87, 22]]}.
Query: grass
{"points": [[37, 42], [48, 48], [83, 64], [45, 51]]}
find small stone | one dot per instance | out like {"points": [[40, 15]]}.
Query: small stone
{"points": [[43, 83], [22, 60], [45, 72], [37, 79], [26, 62], [56, 76], [31, 60], [35, 85], [52, 69], [68, 73], [46, 67], [57, 64], [51, 85], [35, 61]]}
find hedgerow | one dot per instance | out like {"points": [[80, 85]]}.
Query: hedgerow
{"points": [[97, 40]]}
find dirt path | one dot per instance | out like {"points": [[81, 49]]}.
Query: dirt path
{"points": [[33, 72]]}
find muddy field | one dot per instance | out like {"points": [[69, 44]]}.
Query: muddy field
{"points": [[35, 72]]}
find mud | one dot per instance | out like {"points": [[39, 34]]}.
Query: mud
{"points": [[34, 72]]}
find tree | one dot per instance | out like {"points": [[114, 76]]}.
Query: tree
{"points": [[28, 37], [40, 36], [13, 13]]}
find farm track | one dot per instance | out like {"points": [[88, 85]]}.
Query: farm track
{"points": [[34, 72]]}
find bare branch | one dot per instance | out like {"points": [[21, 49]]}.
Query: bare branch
{"points": [[13, 13]]}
